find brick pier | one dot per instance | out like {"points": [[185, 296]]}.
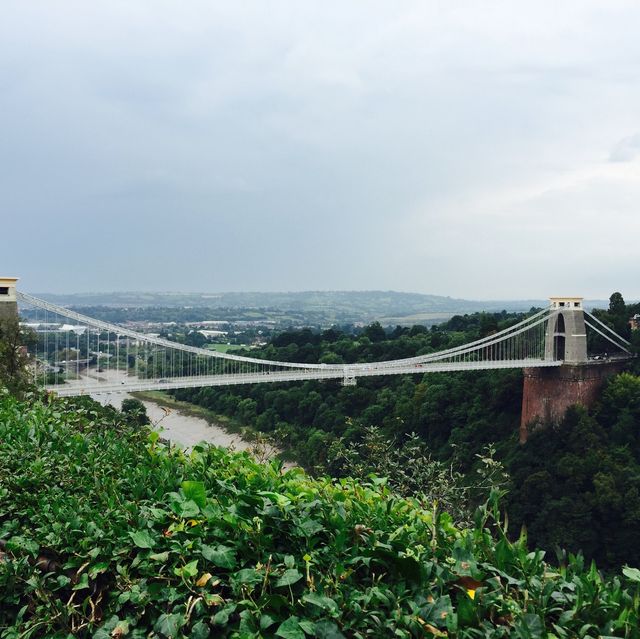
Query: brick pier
{"points": [[548, 392]]}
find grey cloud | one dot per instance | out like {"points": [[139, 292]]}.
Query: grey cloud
{"points": [[626, 150], [278, 146]]}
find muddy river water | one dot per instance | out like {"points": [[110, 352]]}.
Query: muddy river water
{"points": [[173, 424]]}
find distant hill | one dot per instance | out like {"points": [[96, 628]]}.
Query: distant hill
{"points": [[389, 307]]}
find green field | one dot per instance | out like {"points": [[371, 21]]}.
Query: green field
{"points": [[225, 348]]}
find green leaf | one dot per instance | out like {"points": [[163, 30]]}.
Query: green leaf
{"points": [[159, 556], [195, 491], [200, 631], [247, 576], [530, 627], [631, 573], [308, 626], [266, 621], [328, 630], [310, 527], [222, 616], [98, 568], [142, 539], [290, 576], [188, 509], [83, 583], [325, 603], [221, 556], [438, 612], [190, 570], [290, 629], [466, 610], [22, 544], [168, 625]]}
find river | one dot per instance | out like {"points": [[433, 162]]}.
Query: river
{"points": [[174, 425]]}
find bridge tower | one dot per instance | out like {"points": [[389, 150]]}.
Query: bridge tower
{"points": [[8, 300], [549, 392], [566, 336]]}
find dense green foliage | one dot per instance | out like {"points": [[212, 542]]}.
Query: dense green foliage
{"points": [[105, 532], [576, 485]]}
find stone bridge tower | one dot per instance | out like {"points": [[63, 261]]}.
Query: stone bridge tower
{"points": [[548, 392], [566, 337], [8, 300]]}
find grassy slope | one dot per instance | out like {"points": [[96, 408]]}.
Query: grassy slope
{"points": [[107, 533]]}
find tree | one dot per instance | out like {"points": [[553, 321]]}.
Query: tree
{"points": [[14, 359], [375, 332], [135, 412], [617, 305]]}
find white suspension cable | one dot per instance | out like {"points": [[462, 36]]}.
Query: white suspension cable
{"points": [[608, 328], [606, 337]]}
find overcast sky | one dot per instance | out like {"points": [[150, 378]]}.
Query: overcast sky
{"points": [[474, 149]]}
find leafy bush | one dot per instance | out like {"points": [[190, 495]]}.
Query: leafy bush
{"points": [[108, 533], [412, 471], [135, 411]]}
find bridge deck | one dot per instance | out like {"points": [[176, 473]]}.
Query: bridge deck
{"points": [[132, 385]]}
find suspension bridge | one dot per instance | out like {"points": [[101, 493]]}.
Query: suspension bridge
{"points": [[73, 354]]}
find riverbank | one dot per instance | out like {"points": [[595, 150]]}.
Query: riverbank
{"points": [[167, 401], [189, 424]]}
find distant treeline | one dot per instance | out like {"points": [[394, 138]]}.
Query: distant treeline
{"points": [[336, 306]]}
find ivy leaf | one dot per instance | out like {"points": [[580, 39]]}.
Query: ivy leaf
{"points": [[266, 621], [159, 556], [308, 626], [328, 630], [188, 509], [168, 625], [142, 539], [190, 570], [466, 610], [98, 568], [310, 527], [204, 579], [222, 616], [326, 603], [248, 576], [200, 631], [195, 491], [290, 576], [290, 629], [221, 556]]}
